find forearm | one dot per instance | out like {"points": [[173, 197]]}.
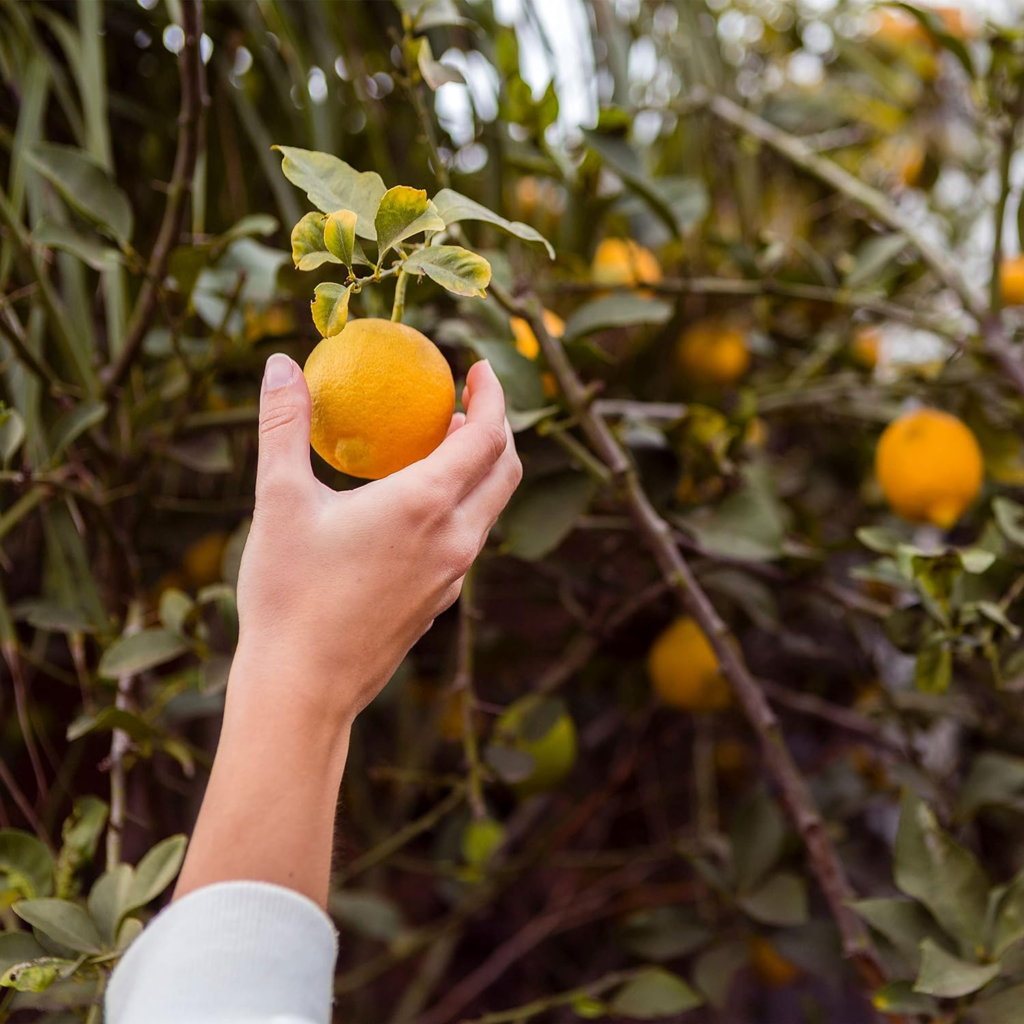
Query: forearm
{"points": [[269, 809]]}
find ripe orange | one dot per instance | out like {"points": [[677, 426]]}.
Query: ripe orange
{"points": [[383, 397], [929, 466], [713, 352], [621, 262], [770, 965], [528, 345], [1011, 280], [865, 346], [684, 671]]}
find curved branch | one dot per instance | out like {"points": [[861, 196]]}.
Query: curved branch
{"points": [[193, 100]]}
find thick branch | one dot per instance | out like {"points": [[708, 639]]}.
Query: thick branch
{"points": [[193, 98], [658, 536]]}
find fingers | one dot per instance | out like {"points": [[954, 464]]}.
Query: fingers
{"points": [[484, 503], [283, 467], [468, 453], [458, 419]]}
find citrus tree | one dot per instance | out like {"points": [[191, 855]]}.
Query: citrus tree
{"points": [[726, 725]]}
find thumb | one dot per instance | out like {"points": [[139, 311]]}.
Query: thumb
{"points": [[283, 465]]}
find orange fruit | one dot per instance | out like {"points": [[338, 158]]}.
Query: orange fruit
{"points": [[684, 671], [1011, 280], [528, 345], [770, 965], [713, 352], [621, 262], [929, 466], [202, 559], [865, 346], [903, 158], [383, 397]]}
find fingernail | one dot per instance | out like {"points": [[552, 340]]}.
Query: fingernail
{"points": [[278, 372]]}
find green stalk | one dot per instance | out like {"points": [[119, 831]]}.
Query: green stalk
{"points": [[398, 309]]}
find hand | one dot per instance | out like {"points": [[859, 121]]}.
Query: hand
{"points": [[335, 587]]}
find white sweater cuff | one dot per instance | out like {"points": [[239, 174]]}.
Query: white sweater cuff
{"points": [[230, 952]]}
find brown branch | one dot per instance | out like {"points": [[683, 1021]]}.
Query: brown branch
{"points": [[11, 656], [193, 101], [658, 536], [943, 265], [8, 779]]}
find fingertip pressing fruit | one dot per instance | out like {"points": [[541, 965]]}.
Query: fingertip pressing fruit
{"points": [[684, 670], [382, 397], [621, 262], [713, 352], [553, 751], [929, 466]]}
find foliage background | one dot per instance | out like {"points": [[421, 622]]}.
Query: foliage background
{"points": [[793, 170]]}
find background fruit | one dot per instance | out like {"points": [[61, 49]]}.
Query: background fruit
{"points": [[383, 397], [684, 671], [713, 352], [526, 341], [929, 466], [622, 262], [553, 750], [1011, 280], [866, 345], [770, 965]]}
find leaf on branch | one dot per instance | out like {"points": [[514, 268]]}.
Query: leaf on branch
{"points": [[340, 237], [330, 308], [26, 865], [995, 779], [1010, 518], [331, 184], [434, 73], [85, 186], [91, 251], [780, 900], [402, 213], [905, 923], [209, 452], [610, 311], [109, 719], [140, 651], [107, 900], [756, 836], [453, 207], [458, 270], [900, 997], [157, 869], [309, 246], [427, 14], [63, 921], [653, 994], [933, 669], [75, 422], [663, 933], [544, 512], [949, 977], [519, 376]]}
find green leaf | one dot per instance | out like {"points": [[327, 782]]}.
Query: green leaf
{"points": [[26, 865], [544, 512], [949, 977], [109, 719], [108, 901], [878, 539], [330, 308], [175, 608], [654, 994], [663, 933], [994, 780], [75, 422], [620, 310], [933, 670], [140, 651], [81, 835], [458, 270], [1003, 1008], [157, 869], [53, 616], [873, 257], [452, 207], [63, 921], [206, 452], [1010, 518], [427, 14], [18, 948], [780, 900], [975, 560], [366, 913], [90, 250], [402, 213], [519, 376], [331, 184], [340, 236], [714, 970], [85, 186], [899, 997], [434, 73], [944, 876], [309, 245], [905, 923], [12, 434], [756, 836]]}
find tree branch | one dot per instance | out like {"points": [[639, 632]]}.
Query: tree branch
{"points": [[658, 536], [193, 101]]}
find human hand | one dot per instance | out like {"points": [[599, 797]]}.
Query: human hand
{"points": [[335, 587]]}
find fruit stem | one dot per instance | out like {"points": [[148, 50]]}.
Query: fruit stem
{"points": [[399, 307]]}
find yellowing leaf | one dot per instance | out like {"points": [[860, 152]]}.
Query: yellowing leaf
{"points": [[330, 308], [459, 270]]}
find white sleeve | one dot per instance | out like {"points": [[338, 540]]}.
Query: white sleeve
{"points": [[230, 953]]}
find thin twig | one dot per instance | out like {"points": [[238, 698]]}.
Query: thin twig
{"points": [[11, 656], [193, 100], [18, 796], [120, 744], [462, 689], [658, 534]]}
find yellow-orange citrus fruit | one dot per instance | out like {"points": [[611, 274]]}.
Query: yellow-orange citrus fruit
{"points": [[202, 560], [621, 262], [929, 466], [383, 397], [684, 671], [770, 965], [553, 753], [526, 341], [1011, 280], [903, 158], [897, 28], [713, 352], [865, 346]]}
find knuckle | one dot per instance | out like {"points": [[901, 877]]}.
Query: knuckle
{"points": [[492, 440], [462, 552]]}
